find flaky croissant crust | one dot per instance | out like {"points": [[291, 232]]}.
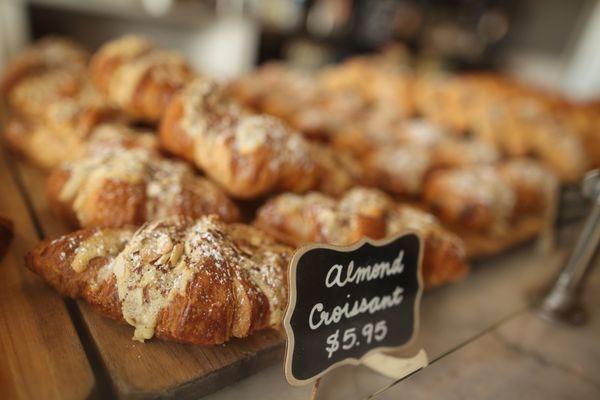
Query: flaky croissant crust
{"points": [[249, 155], [317, 218], [45, 54], [200, 282], [119, 186], [137, 77]]}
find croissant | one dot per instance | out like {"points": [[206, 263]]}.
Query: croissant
{"points": [[399, 170], [48, 150], [402, 163], [338, 170], [446, 99], [533, 184], [475, 198], [584, 118], [461, 153], [119, 186], [201, 282], [561, 150], [376, 79], [380, 130], [249, 155], [322, 118], [62, 99], [488, 198], [275, 89], [521, 117], [277, 98], [314, 217], [137, 77], [39, 144], [6, 234], [298, 99], [518, 119], [45, 54]]}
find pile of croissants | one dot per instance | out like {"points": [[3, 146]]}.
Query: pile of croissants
{"points": [[190, 195]]}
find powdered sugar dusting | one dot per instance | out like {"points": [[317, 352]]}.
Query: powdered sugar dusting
{"points": [[243, 151], [163, 257]]}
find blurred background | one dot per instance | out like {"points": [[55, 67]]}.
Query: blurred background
{"points": [[552, 43]]}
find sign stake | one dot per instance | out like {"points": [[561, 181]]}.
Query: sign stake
{"points": [[315, 389], [396, 367]]}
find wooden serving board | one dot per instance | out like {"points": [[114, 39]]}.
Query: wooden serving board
{"points": [[155, 369], [41, 356], [158, 369]]}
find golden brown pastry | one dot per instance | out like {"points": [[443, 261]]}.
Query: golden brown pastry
{"points": [[462, 153], [376, 79], [39, 144], [201, 282], [475, 197], [249, 155], [366, 99], [46, 149], [308, 103], [361, 105], [583, 118], [295, 97], [348, 76], [398, 157], [338, 170], [279, 83], [45, 54], [137, 77], [273, 81], [519, 120], [561, 150], [429, 100], [491, 200], [6, 234], [419, 132], [250, 90], [62, 99], [534, 184], [117, 186], [381, 129], [314, 217], [109, 136], [328, 113], [398, 170]]}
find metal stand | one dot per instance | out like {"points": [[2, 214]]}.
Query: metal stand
{"points": [[562, 304]]}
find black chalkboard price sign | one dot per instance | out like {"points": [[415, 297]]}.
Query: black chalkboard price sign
{"points": [[346, 302]]}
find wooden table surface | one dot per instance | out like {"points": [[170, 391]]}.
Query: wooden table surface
{"points": [[126, 368], [41, 355], [481, 337]]}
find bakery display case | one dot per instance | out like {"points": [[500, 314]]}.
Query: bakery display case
{"points": [[166, 164]]}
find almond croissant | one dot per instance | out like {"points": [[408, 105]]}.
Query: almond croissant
{"points": [[201, 282], [62, 99], [487, 199], [363, 212], [46, 54], [121, 186], [137, 77], [46, 149], [248, 155]]}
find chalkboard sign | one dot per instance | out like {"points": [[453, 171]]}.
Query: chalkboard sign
{"points": [[346, 302]]}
